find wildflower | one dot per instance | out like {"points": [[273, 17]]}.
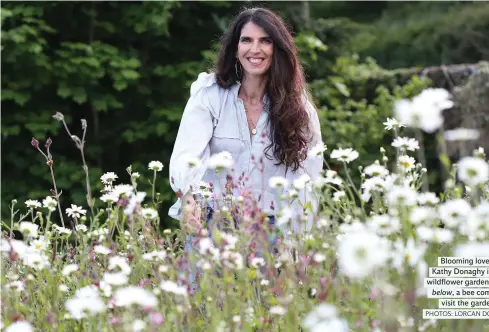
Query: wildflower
{"points": [[28, 229], [32, 204], [75, 211], [221, 160], [155, 255], [344, 155], [171, 287], [423, 214], [374, 184], [134, 200], [301, 182], [109, 197], [122, 189], [436, 235], [454, 212], [403, 195], [149, 213], [477, 225], [86, 302], [324, 318], [63, 288], [384, 225], [135, 175], [376, 170], [462, 134], [392, 124], [424, 110], [409, 252], [406, 143], [81, 228], [68, 269], [138, 325], [257, 262], [20, 326], [39, 244], [119, 262], [428, 198], [338, 195], [35, 259], [473, 170], [125, 297], [156, 318], [316, 151], [101, 250], [318, 257], [284, 216], [115, 279], [50, 203], [406, 163], [108, 178], [156, 166], [360, 252], [193, 162], [264, 282], [479, 152], [278, 310]]}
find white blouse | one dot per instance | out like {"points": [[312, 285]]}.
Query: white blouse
{"points": [[214, 121]]}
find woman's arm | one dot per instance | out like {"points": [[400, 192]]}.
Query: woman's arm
{"points": [[192, 142]]}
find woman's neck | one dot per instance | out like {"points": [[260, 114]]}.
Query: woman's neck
{"points": [[253, 88]]}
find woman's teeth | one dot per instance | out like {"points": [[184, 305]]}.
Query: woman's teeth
{"points": [[255, 60]]}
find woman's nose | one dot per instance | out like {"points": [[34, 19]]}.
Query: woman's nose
{"points": [[256, 47]]}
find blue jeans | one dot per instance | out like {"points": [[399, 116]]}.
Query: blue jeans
{"points": [[189, 245]]}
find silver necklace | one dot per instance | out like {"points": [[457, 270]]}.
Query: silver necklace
{"points": [[253, 131]]}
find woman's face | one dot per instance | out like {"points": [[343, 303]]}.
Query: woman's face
{"points": [[255, 50]]}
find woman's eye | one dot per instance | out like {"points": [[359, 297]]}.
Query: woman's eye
{"points": [[267, 41]]}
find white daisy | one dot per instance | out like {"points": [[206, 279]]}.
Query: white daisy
{"points": [[406, 143], [149, 213], [32, 204], [108, 178], [125, 297], [424, 110], [278, 182], [278, 310], [359, 253], [69, 269], [75, 211], [50, 203], [156, 166], [376, 170], [221, 160], [20, 326], [28, 229], [338, 195], [344, 155], [316, 151], [406, 162], [454, 212], [171, 287], [473, 171], [428, 198], [392, 124]]}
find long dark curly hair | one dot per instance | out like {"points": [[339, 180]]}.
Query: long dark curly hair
{"points": [[286, 86]]}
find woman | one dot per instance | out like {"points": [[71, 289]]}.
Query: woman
{"points": [[255, 106]]}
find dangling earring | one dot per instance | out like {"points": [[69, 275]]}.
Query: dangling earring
{"points": [[236, 67]]}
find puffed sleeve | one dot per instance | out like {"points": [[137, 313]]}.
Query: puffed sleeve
{"points": [[194, 133]]}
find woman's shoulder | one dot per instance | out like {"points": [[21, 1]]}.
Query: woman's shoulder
{"points": [[207, 82]]}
